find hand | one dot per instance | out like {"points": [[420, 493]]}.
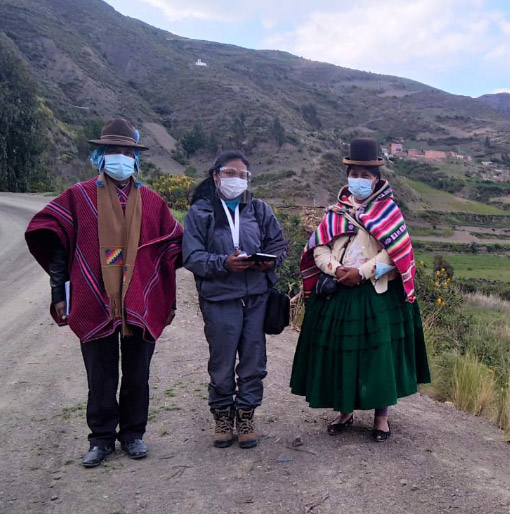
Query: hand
{"points": [[237, 264], [262, 265], [60, 309], [170, 318], [349, 277]]}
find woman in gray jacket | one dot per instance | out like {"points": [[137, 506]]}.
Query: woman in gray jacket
{"points": [[224, 228]]}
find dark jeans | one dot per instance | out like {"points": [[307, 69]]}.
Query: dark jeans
{"points": [[235, 328], [130, 413]]}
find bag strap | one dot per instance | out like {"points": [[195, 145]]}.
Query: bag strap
{"points": [[258, 216], [344, 249], [355, 222]]}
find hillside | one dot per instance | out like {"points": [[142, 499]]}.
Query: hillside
{"points": [[499, 101], [93, 62]]}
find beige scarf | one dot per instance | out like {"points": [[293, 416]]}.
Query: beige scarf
{"points": [[119, 236]]}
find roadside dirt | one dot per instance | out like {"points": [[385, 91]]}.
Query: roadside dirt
{"points": [[438, 459]]}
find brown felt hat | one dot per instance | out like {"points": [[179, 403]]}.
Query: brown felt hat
{"points": [[364, 152], [119, 132]]}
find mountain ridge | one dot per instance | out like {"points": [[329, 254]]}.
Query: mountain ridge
{"points": [[93, 62]]}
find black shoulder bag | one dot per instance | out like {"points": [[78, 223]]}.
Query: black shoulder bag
{"points": [[327, 285], [278, 304]]}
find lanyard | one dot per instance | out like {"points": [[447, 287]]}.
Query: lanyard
{"points": [[234, 224]]}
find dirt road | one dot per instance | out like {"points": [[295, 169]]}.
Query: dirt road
{"points": [[438, 460]]}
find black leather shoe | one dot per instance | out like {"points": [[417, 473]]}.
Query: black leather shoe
{"points": [[135, 449], [379, 436], [338, 428], [96, 455]]}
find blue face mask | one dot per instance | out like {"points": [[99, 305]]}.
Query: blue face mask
{"points": [[361, 188], [118, 166]]}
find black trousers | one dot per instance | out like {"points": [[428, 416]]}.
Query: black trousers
{"points": [[130, 412]]}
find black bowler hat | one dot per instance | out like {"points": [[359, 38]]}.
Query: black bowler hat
{"points": [[364, 152]]}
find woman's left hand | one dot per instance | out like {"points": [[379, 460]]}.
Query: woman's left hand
{"points": [[350, 278], [262, 266]]}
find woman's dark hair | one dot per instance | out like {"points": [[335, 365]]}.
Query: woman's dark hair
{"points": [[207, 188], [375, 170]]}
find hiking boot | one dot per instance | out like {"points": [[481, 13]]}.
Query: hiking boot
{"points": [[224, 427], [245, 430]]}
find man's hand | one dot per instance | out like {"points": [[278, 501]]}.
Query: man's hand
{"points": [[349, 277], [262, 265], [170, 318], [236, 264], [60, 309]]}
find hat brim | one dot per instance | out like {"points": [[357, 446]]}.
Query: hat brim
{"points": [[113, 142], [379, 162]]}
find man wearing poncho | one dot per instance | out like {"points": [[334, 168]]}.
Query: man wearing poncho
{"points": [[117, 244]]}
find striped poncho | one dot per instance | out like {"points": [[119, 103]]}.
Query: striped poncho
{"points": [[72, 217], [381, 217]]}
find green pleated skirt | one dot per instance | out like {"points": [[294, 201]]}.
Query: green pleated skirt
{"points": [[360, 349]]}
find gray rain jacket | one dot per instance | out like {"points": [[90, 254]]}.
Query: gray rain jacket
{"points": [[207, 242]]}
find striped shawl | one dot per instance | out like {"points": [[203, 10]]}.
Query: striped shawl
{"points": [[73, 218], [381, 217]]}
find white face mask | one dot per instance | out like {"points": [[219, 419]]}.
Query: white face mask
{"points": [[361, 188], [119, 166], [232, 187]]}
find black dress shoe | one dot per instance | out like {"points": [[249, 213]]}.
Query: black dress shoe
{"points": [[96, 455], [135, 449]]}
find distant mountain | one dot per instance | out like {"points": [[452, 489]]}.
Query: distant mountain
{"points": [[500, 102], [93, 62]]}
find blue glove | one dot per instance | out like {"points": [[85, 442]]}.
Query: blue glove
{"points": [[381, 269]]}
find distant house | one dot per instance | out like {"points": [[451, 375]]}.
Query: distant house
{"points": [[413, 152], [396, 148], [434, 154], [200, 63]]}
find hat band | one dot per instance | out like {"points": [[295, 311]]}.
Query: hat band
{"points": [[119, 138], [378, 162]]}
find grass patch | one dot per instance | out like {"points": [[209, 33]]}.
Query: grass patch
{"points": [[430, 231], [490, 235], [473, 385], [473, 266], [172, 407], [447, 202], [179, 215], [69, 412], [154, 413]]}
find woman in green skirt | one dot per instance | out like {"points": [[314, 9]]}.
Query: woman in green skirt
{"points": [[361, 344]]}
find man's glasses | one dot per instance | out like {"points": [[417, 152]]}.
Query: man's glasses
{"points": [[234, 173]]}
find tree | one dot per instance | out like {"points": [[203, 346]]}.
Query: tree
{"points": [[238, 130], [22, 125], [309, 113], [91, 130], [194, 140], [277, 132]]}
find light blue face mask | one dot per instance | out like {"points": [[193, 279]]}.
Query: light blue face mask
{"points": [[119, 166], [361, 188]]}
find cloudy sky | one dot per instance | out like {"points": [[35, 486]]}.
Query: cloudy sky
{"points": [[460, 46]]}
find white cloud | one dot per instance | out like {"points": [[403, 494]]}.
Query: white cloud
{"points": [[198, 10], [226, 11], [503, 90], [396, 36]]}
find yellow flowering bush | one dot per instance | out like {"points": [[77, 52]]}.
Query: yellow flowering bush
{"points": [[441, 302], [174, 190]]}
